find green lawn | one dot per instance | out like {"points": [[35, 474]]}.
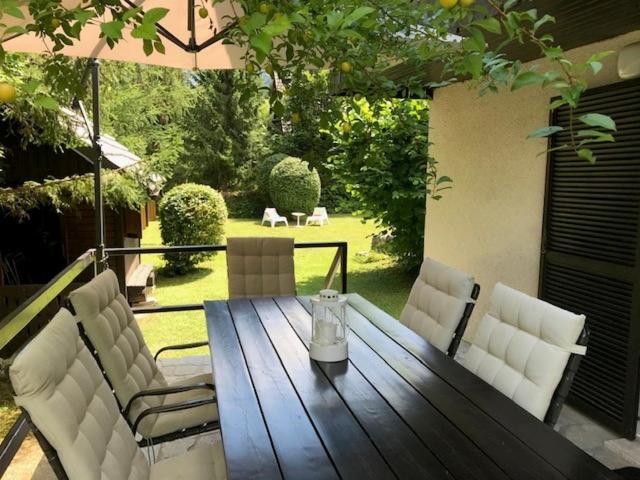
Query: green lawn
{"points": [[376, 278]]}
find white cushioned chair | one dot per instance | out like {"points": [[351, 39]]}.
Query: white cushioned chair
{"points": [[439, 305], [157, 410], [260, 267], [529, 350], [272, 216], [76, 418]]}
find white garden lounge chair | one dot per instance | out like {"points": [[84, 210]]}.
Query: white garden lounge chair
{"points": [[440, 304], [272, 216], [319, 215], [76, 419], [529, 350]]}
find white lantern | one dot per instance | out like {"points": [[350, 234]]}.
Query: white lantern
{"points": [[329, 329]]}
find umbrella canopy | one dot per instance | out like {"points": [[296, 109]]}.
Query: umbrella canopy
{"points": [[190, 41]]}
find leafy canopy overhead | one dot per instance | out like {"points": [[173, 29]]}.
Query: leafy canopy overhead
{"points": [[357, 40]]}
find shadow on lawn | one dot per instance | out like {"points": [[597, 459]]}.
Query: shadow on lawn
{"points": [[195, 275], [387, 287]]}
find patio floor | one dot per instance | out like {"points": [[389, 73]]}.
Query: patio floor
{"points": [[596, 440]]}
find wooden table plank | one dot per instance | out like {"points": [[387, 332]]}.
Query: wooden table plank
{"points": [[353, 454], [513, 457], [244, 434], [403, 450], [464, 459], [298, 448], [540, 438]]}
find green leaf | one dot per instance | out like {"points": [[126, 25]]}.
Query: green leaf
{"points": [[15, 29], [443, 179], [112, 29], [277, 26], [587, 155], [47, 102], [545, 132], [262, 42], [13, 11], [83, 16], [490, 24], [155, 15], [596, 135], [129, 14], [598, 120], [557, 103], [595, 67], [525, 79], [147, 47], [145, 31], [357, 14]]}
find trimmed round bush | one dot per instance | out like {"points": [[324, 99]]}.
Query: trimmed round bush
{"points": [[264, 171], [190, 214], [293, 187]]}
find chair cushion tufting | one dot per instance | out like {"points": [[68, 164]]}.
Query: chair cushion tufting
{"points": [[260, 267], [202, 463], [59, 384], [522, 346], [437, 302], [112, 329]]}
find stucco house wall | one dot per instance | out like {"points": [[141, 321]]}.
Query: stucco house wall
{"points": [[490, 223]]}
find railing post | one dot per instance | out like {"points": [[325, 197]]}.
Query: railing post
{"points": [[343, 266]]}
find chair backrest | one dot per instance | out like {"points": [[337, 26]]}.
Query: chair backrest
{"points": [[59, 384], [440, 300], [270, 213], [522, 346], [320, 212], [113, 331], [260, 267]]}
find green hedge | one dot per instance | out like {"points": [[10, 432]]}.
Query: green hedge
{"points": [[264, 171], [294, 187], [190, 214], [245, 204]]}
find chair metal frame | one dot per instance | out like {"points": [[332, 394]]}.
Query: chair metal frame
{"points": [[562, 390], [464, 321]]}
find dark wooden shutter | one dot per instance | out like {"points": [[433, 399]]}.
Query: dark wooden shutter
{"points": [[591, 257]]}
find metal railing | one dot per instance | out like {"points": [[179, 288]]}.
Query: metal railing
{"points": [[22, 317]]}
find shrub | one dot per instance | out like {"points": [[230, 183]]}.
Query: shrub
{"points": [[245, 203], [293, 187], [190, 214], [382, 158], [264, 171]]}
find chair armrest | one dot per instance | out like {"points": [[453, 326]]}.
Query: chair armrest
{"points": [[173, 407], [181, 346], [166, 391]]}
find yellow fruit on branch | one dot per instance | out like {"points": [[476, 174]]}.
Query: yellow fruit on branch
{"points": [[346, 67], [448, 4], [54, 23], [7, 92], [250, 68], [295, 117], [203, 12], [264, 8], [467, 3], [346, 128]]}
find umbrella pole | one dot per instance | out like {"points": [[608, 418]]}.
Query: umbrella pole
{"points": [[97, 165]]}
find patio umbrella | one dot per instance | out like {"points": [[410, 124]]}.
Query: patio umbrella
{"points": [[191, 42]]}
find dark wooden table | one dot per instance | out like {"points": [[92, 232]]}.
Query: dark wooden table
{"points": [[398, 408]]}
